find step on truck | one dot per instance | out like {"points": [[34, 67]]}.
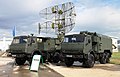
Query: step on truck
{"points": [[23, 48], [86, 47]]}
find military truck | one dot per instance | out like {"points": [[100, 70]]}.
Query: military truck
{"points": [[86, 47], [25, 47]]}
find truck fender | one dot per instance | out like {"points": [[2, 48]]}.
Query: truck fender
{"points": [[86, 55]]}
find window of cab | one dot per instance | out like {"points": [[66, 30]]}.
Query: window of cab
{"points": [[39, 40]]}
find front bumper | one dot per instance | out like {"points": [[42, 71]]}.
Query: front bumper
{"points": [[76, 56]]}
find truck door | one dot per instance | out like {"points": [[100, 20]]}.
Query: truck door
{"points": [[31, 45], [87, 44]]}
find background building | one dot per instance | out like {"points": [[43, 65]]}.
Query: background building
{"points": [[4, 43], [119, 45], [115, 44]]}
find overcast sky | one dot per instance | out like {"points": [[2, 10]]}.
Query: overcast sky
{"points": [[101, 16]]}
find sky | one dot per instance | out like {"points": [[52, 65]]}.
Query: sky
{"points": [[101, 16]]}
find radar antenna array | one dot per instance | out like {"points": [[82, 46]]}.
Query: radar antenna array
{"points": [[59, 19]]}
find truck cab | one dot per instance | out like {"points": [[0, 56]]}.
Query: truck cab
{"points": [[78, 43], [86, 47], [24, 48]]}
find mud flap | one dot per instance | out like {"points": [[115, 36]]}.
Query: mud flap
{"points": [[35, 63]]}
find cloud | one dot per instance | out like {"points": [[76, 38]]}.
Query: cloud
{"points": [[23, 14], [100, 19], [101, 16]]}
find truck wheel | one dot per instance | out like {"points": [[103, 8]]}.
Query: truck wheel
{"points": [[56, 57], [108, 57], [103, 59], [89, 62], [69, 62], [30, 61], [20, 61]]}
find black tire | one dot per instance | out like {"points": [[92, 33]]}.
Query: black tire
{"points": [[69, 62], [103, 59], [108, 57], [89, 63], [30, 61], [20, 61], [56, 57]]}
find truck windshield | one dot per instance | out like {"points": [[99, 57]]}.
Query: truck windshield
{"points": [[15, 41], [19, 40], [76, 38]]}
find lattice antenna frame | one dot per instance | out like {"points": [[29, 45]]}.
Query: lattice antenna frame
{"points": [[59, 19]]}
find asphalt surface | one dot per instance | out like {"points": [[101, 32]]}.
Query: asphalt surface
{"points": [[99, 70], [23, 71], [9, 69]]}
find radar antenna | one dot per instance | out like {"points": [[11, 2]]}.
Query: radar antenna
{"points": [[59, 19]]}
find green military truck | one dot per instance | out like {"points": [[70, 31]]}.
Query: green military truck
{"points": [[25, 47], [86, 47]]}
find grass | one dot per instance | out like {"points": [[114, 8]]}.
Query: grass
{"points": [[115, 59]]}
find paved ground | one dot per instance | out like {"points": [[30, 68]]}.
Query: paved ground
{"points": [[24, 71], [1, 53], [99, 70], [9, 69]]}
